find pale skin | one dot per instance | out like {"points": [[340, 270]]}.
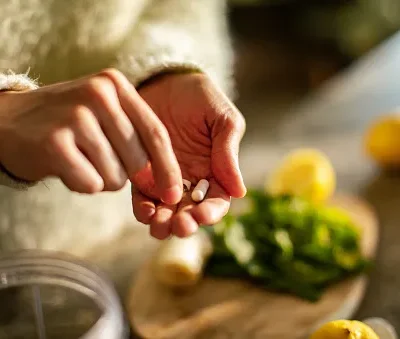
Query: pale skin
{"points": [[97, 132]]}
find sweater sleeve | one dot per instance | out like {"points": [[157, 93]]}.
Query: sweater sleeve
{"points": [[176, 35], [14, 82]]}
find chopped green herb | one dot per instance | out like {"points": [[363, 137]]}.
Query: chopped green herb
{"points": [[287, 244]]}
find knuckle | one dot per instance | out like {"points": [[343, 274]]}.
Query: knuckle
{"points": [[85, 185], [117, 119], [114, 184], [235, 121], [111, 73], [114, 174], [56, 140], [80, 115], [56, 146], [95, 145], [230, 122], [114, 76], [159, 136], [97, 86], [116, 179], [91, 187], [92, 184], [241, 122]]}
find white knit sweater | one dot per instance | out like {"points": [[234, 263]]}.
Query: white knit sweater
{"points": [[60, 40]]}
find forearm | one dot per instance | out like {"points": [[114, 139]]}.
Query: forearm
{"points": [[177, 35]]}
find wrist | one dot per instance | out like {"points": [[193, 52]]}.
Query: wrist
{"points": [[166, 73], [7, 98]]}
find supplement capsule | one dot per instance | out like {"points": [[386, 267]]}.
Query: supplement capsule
{"points": [[186, 185], [200, 191]]}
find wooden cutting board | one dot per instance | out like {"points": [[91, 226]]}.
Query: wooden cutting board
{"points": [[219, 309]]}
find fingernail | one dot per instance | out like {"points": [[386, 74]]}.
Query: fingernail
{"points": [[148, 209], [192, 228], [150, 212], [172, 195]]}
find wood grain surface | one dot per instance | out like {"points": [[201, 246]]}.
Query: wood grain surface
{"points": [[219, 309]]}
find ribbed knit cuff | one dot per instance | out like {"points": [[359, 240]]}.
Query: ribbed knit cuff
{"points": [[16, 82], [8, 179], [142, 68]]}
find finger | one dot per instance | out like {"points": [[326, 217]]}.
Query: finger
{"points": [[119, 130], [144, 182], [182, 223], [160, 227], [92, 141], [77, 173], [209, 212], [227, 133], [215, 206], [155, 138], [143, 207]]}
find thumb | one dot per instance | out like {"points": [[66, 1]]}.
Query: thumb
{"points": [[227, 133]]}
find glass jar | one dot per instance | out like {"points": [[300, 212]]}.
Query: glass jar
{"points": [[64, 293]]}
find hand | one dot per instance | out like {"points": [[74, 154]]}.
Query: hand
{"points": [[82, 132], [205, 129]]}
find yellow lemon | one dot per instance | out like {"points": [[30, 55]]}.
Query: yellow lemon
{"points": [[304, 172], [344, 329], [382, 141]]}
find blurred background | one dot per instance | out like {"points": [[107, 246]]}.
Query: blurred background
{"points": [[301, 43], [285, 49]]}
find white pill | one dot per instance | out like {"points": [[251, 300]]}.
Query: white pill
{"points": [[200, 191], [186, 185]]}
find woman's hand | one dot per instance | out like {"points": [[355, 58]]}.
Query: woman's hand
{"points": [[205, 129], [89, 133]]}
